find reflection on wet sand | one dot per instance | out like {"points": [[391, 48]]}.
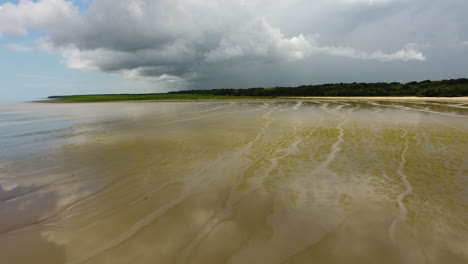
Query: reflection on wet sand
{"points": [[18, 246], [308, 181]]}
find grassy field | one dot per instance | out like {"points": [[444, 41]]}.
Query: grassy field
{"points": [[144, 97]]}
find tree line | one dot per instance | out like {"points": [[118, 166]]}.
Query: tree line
{"points": [[444, 88]]}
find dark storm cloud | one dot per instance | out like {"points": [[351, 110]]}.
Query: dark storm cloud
{"points": [[211, 43]]}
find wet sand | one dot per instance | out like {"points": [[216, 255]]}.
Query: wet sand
{"points": [[274, 181]]}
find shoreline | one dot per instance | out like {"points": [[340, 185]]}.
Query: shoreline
{"points": [[375, 98], [389, 98]]}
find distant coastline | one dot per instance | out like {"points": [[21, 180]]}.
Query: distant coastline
{"points": [[454, 89], [385, 98], [78, 99]]}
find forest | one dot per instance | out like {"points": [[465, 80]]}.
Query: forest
{"points": [[444, 88]]}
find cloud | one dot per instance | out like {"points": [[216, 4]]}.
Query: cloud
{"points": [[171, 40], [41, 77], [465, 42], [368, 2], [191, 41], [43, 14], [18, 47], [406, 54]]}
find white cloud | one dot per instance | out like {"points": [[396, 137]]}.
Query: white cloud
{"points": [[18, 47], [465, 42], [368, 2], [43, 14], [41, 77], [406, 54], [261, 41]]}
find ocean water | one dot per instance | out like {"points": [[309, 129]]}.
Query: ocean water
{"points": [[261, 181]]}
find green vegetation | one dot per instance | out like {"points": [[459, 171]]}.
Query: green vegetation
{"points": [[445, 88]]}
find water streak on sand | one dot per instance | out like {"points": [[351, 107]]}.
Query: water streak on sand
{"points": [[225, 212], [408, 190], [422, 110]]}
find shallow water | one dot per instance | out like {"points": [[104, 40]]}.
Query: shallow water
{"points": [[311, 181]]}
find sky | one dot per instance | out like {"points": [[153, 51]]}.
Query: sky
{"points": [[56, 47]]}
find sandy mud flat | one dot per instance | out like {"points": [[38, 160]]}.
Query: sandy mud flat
{"points": [[305, 180]]}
